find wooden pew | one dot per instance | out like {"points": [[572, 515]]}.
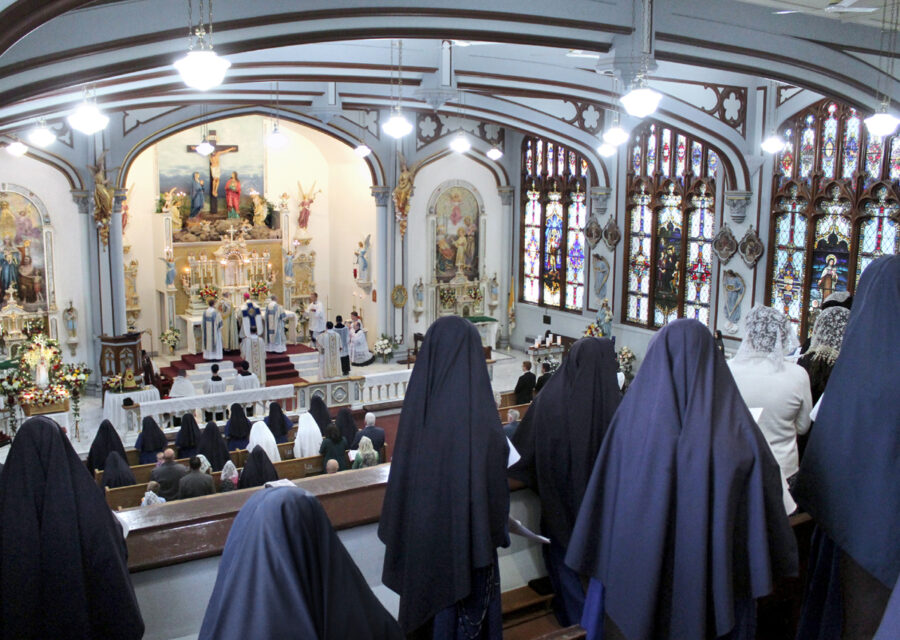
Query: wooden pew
{"points": [[521, 408]]}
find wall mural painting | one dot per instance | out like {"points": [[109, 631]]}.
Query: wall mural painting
{"points": [[22, 262], [218, 190], [456, 250]]}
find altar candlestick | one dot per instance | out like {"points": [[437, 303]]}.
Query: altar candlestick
{"points": [[559, 340], [549, 338], [537, 343]]}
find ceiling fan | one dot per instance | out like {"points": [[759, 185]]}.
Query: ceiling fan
{"points": [[833, 6]]}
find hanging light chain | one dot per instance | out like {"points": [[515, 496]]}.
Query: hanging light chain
{"points": [[190, 4]]}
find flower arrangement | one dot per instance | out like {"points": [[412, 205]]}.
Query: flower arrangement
{"points": [[32, 328], [170, 337], [41, 348], [383, 347], [208, 292], [114, 383], [593, 330], [259, 289], [625, 356], [474, 293], [51, 395], [447, 297]]}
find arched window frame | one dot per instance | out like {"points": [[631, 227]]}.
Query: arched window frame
{"points": [[664, 187], [558, 181], [830, 178]]}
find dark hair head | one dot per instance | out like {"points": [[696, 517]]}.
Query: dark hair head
{"points": [[127, 402], [215, 368], [333, 433], [245, 365], [211, 302], [545, 367], [339, 319], [527, 365], [195, 463], [329, 325]]}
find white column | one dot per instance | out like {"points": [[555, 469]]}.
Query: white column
{"points": [[91, 311], [116, 258], [381, 262], [508, 258]]}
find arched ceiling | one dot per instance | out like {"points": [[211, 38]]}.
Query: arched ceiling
{"points": [[333, 56]]}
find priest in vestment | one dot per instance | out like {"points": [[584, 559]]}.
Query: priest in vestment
{"points": [[212, 333], [329, 346], [230, 340], [275, 335], [253, 349]]}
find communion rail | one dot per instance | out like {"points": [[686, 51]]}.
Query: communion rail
{"points": [[164, 410]]}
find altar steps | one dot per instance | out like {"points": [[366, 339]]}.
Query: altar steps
{"points": [[281, 368]]}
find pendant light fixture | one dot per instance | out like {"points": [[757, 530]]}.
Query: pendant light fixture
{"points": [[205, 147], [495, 153], [362, 150], [276, 139], [41, 136], [881, 123], [87, 118], [606, 150], [397, 125], [642, 101], [16, 148], [615, 135], [201, 68], [460, 142], [773, 143]]}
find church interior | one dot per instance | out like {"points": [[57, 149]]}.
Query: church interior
{"points": [[603, 191]]}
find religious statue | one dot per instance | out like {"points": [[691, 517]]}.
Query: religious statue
{"points": [[734, 294], [289, 261], [8, 227], [128, 381], [125, 206], [103, 198], [197, 196], [9, 265], [215, 170], [604, 318], [233, 195], [170, 206], [419, 294], [601, 275], [403, 191], [170, 268], [306, 201], [70, 319], [362, 261], [494, 290], [260, 210], [460, 244]]}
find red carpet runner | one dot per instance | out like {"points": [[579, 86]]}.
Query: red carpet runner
{"points": [[279, 369]]}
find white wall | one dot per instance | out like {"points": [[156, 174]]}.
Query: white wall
{"points": [[453, 167], [70, 242], [342, 215]]}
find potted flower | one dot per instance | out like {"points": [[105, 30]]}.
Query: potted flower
{"points": [[383, 347], [259, 289], [208, 292], [625, 356], [170, 337]]}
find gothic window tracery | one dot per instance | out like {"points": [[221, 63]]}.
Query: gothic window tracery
{"points": [[834, 210]]}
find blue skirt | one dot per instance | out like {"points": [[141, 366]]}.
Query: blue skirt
{"points": [[479, 616]]}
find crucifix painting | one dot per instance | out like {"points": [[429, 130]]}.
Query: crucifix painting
{"points": [[238, 148]]}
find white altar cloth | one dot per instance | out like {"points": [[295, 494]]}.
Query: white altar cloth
{"points": [[488, 332], [212, 401], [112, 405]]}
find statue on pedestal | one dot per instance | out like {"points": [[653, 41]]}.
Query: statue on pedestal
{"points": [[306, 201], [362, 262], [170, 206], [604, 318], [260, 210]]}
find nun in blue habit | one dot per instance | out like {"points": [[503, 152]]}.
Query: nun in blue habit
{"points": [[188, 436], [682, 525], [150, 441], [285, 574], [558, 440], [444, 517], [849, 479], [237, 429], [63, 561]]}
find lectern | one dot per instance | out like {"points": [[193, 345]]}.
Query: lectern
{"points": [[120, 353]]}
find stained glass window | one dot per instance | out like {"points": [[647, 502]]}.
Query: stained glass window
{"points": [[670, 229], [575, 255], [553, 219], [828, 225]]}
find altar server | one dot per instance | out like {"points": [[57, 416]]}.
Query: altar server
{"points": [[116, 472], [63, 567], [212, 333], [245, 378], [849, 481], [150, 441], [278, 423], [284, 573], [261, 436], [253, 348], [360, 356], [442, 522], [212, 446], [276, 342], [682, 524], [344, 334], [316, 314], [558, 441], [188, 436], [329, 346], [237, 429], [181, 386], [258, 469], [308, 438], [215, 384], [106, 440]]}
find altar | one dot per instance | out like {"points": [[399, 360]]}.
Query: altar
{"points": [[487, 329]]}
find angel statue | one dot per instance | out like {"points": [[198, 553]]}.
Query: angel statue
{"points": [[260, 209], [306, 200], [103, 198], [403, 191], [362, 261], [170, 206], [169, 259]]}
